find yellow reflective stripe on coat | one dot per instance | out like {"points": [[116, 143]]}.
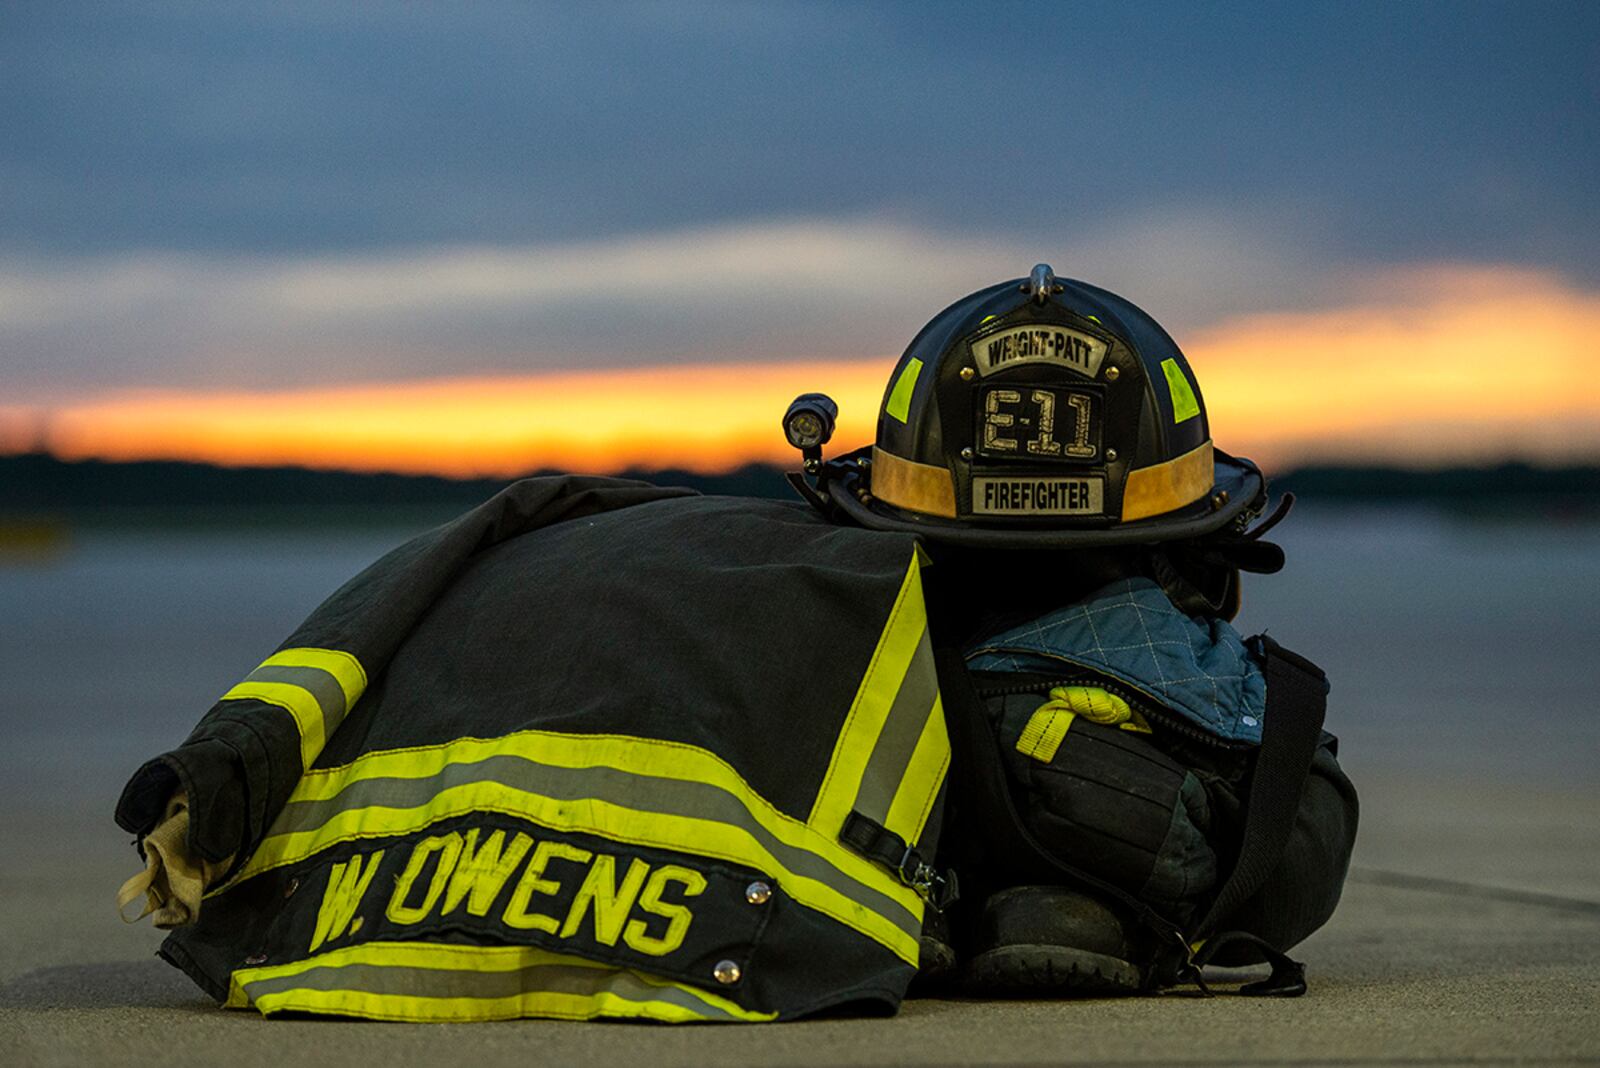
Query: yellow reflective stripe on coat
{"points": [[317, 687], [639, 790], [422, 981], [898, 696], [913, 801]]}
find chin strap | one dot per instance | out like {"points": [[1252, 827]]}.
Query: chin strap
{"points": [[1276, 516]]}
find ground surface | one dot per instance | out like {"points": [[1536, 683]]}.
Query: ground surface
{"points": [[1465, 678], [1416, 968]]}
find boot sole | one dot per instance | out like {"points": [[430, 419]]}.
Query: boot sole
{"points": [[936, 969], [1060, 971]]}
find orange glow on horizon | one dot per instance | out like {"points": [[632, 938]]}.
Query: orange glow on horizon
{"points": [[1448, 364], [705, 418]]}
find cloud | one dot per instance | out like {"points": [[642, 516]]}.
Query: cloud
{"points": [[773, 289], [1432, 364], [1421, 365]]}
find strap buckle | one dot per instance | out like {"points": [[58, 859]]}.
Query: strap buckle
{"points": [[938, 889], [877, 843]]}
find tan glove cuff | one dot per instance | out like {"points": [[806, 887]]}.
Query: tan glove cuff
{"points": [[173, 882]]}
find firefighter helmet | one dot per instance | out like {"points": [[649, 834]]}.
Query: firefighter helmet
{"points": [[1043, 412]]}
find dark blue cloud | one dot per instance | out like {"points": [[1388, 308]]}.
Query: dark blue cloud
{"points": [[1370, 132]]}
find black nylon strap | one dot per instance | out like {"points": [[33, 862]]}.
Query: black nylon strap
{"points": [[876, 842], [873, 841], [1297, 696], [1288, 978]]}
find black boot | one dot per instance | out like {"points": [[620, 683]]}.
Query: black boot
{"points": [[936, 970], [1052, 942]]}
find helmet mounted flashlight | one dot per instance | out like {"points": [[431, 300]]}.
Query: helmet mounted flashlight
{"points": [[808, 424]]}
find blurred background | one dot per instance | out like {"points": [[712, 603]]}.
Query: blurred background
{"points": [[492, 238], [250, 252]]}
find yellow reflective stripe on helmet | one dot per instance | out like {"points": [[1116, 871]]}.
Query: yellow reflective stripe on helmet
{"points": [[901, 663], [1185, 405], [422, 981], [639, 790], [1164, 487], [899, 402], [1148, 491], [915, 487], [317, 687]]}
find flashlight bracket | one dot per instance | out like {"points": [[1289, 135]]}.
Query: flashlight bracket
{"points": [[808, 425], [812, 494], [846, 470]]}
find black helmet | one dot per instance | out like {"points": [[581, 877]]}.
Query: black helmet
{"points": [[1040, 412]]}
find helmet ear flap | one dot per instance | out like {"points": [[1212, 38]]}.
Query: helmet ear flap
{"points": [[1201, 575], [1198, 579], [1195, 586]]}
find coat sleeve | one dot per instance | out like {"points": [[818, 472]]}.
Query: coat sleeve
{"points": [[245, 756]]}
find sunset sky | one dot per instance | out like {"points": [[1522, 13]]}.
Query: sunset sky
{"points": [[509, 237]]}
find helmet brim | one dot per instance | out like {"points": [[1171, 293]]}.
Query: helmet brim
{"points": [[1240, 479]]}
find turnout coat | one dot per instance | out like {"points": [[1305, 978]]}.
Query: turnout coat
{"points": [[596, 748]]}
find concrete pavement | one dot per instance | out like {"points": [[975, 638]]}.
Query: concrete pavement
{"points": [[1470, 934]]}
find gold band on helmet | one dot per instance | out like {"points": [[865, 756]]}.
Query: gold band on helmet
{"points": [[1154, 490], [912, 486], [1168, 486]]}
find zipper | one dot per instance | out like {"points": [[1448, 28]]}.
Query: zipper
{"points": [[1153, 713]]}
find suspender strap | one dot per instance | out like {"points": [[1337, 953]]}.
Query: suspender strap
{"points": [[1297, 693]]}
